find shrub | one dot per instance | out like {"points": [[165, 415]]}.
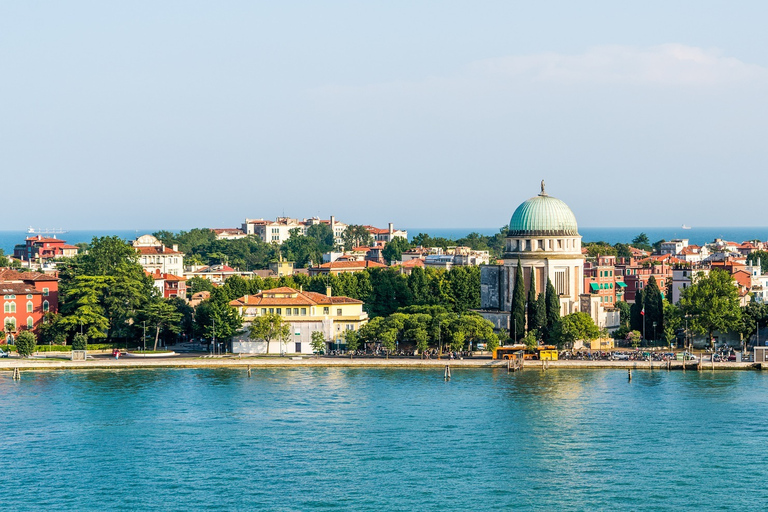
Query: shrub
{"points": [[79, 342], [25, 343]]}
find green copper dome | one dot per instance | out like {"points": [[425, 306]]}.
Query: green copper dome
{"points": [[543, 215]]}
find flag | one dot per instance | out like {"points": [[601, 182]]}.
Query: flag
{"points": [[643, 311]]}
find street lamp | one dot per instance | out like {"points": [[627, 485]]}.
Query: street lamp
{"points": [[654, 332]]}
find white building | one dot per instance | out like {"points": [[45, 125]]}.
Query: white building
{"points": [[154, 256], [279, 230], [673, 246]]}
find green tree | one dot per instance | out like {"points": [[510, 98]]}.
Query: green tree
{"points": [[531, 304], [162, 315], [317, 343], [636, 313], [271, 327], [83, 309], [624, 313], [25, 343], [352, 340], [323, 236], [356, 236], [301, 249], [712, 303], [540, 322], [199, 284], [531, 339], [641, 241], [52, 330], [517, 320], [393, 251], [759, 256], [634, 338], [4, 261], [654, 309], [577, 326], [215, 318], [622, 250], [80, 342], [553, 312]]}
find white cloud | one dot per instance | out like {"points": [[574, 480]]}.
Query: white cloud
{"points": [[667, 64]]}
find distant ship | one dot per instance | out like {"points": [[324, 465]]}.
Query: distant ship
{"points": [[686, 227], [33, 231]]}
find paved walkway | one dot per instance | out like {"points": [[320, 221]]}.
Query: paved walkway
{"points": [[182, 361]]}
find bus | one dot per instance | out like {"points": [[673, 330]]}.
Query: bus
{"points": [[508, 352], [541, 353]]}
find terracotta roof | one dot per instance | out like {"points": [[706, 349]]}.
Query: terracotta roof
{"points": [[352, 264], [7, 274], [300, 299], [282, 289], [415, 262], [218, 231], [17, 288], [143, 250], [158, 276], [46, 240]]}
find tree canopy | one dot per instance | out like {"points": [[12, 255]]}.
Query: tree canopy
{"points": [[712, 303]]}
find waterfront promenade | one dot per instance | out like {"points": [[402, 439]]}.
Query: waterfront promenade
{"points": [[196, 361]]}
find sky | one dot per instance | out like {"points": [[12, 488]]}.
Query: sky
{"points": [[444, 114]]}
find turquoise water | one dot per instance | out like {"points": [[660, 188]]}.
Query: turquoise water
{"points": [[374, 439]]}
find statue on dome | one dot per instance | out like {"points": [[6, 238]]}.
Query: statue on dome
{"points": [[543, 192]]}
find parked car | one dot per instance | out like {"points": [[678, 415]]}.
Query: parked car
{"points": [[3, 353]]}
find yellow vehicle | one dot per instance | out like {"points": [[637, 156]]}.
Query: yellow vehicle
{"points": [[508, 352], [547, 354], [543, 353]]}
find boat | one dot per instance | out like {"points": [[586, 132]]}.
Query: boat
{"points": [[38, 231], [686, 227]]}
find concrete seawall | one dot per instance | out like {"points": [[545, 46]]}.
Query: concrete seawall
{"points": [[277, 362]]}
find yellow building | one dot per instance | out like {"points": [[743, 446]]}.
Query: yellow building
{"points": [[306, 312]]}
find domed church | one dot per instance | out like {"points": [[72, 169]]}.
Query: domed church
{"points": [[544, 236]]}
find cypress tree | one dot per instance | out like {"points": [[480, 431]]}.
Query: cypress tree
{"points": [[532, 302], [517, 320], [654, 309], [635, 317], [552, 311], [541, 311]]}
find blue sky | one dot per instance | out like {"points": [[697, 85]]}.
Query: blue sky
{"points": [[431, 114]]}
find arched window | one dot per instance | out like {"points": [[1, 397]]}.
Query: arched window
{"points": [[46, 306], [12, 307], [11, 322], [30, 322], [7, 307], [30, 307]]}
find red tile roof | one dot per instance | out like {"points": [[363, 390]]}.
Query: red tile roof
{"points": [[7, 274], [155, 250], [298, 299], [17, 288], [352, 264]]}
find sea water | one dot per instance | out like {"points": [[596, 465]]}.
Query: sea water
{"points": [[384, 439]]}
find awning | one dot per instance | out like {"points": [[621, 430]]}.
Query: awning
{"points": [[595, 287], [621, 284]]}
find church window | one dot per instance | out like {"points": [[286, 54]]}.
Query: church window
{"points": [[30, 322]]}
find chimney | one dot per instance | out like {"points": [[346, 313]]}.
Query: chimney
{"points": [[245, 300], [328, 291], [175, 248], [391, 229]]}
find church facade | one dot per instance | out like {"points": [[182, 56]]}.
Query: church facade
{"points": [[544, 237]]}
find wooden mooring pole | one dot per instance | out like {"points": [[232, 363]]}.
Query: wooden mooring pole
{"points": [[629, 373], [447, 375], [16, 374], [249, 371]]}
